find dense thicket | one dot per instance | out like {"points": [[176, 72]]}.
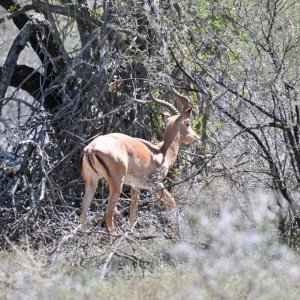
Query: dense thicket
{"points": [[236, 60]]}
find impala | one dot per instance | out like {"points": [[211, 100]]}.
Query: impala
{"points": [[121, 159]]}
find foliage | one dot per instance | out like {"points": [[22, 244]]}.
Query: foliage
{"points": [[237, 192], [241, 63], [237, 60]]}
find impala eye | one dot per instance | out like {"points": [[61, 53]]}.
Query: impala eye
{"points": [[187, 124]]}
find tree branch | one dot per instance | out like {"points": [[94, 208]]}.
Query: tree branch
{"points": [[20, 21], [12, 57], [31, 81], [44, 39]]}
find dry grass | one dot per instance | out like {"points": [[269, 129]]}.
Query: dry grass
{"points": [[227, 249]]}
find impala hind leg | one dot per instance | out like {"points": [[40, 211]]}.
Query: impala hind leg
{"points": [[163, 195], [90, 189], [115, 188], [133, 206]]}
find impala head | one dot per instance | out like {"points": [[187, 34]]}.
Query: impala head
{"points": [[178, 122]]}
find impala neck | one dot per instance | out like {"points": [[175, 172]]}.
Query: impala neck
{"points": [[170, 147]]}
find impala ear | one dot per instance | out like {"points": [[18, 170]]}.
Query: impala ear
{"points": [[166, 116], [186, 114]]}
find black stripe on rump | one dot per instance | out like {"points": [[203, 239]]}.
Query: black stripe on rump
{"points": [[101, 161], [91, 163]]}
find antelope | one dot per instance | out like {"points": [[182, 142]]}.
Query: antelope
{"points": [[121, 159]]}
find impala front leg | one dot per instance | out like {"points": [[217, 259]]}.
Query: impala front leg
{"points": [[163, 195]]}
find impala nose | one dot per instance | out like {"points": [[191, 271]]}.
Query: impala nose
{"points": [[196, 138], [192, 138]]}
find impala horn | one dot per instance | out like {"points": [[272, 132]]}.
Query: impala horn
{"points": [[165, 104], [181, 99]]}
